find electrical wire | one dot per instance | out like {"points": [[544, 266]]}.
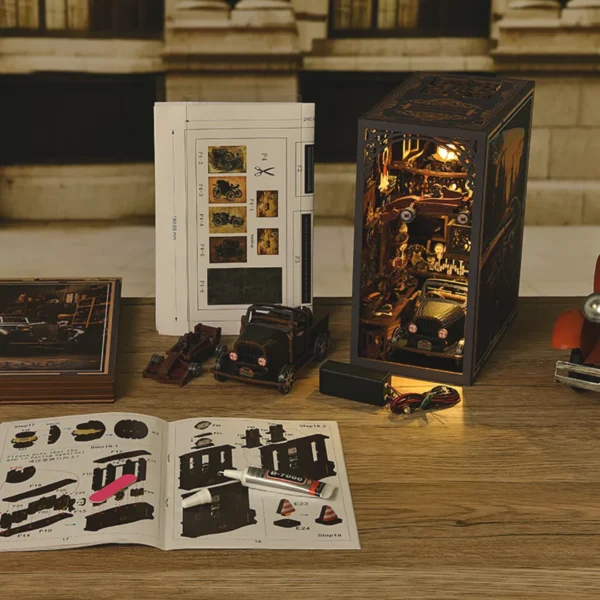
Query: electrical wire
{"points": [[437, 397]]}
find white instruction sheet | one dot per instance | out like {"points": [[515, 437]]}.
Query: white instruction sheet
{"points": [[120, 478]]}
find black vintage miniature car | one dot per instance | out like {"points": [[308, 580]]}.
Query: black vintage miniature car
{"points": [[275, 341], [222, 187], [227, 161], [224, 218], [228, 249], [437, 326]]}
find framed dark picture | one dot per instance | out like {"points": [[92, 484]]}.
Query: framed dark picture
{"points": [[58, 328]]}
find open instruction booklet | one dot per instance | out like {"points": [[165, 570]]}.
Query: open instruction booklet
{"points": [[107, 478]]}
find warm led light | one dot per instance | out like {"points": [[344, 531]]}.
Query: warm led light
{"points": [[439, 248], [233, 356], [412, 327], [446, 154], [443, 334], [262, 362], [384, 182]]}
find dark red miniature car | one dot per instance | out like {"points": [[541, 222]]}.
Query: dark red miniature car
{"points": [[579, 331], [182, 362]]}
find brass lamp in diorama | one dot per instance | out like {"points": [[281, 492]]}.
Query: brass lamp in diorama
{"points": [[441, 176]]}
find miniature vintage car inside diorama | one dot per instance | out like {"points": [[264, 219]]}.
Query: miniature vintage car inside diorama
{"points": [[578, 330], [437, 325], [17, 331], [224, 218], [224, 188], [415, 251], [275, 341], [183, 360]]}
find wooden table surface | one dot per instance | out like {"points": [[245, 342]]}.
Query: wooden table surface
{"points": [[497, 497]]}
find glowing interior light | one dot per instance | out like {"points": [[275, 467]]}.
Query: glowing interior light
{"points": [[384, 182], [446, 154]]}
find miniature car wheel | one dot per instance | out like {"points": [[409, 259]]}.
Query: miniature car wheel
{"points": [[217, 221], [219, 365], [195, 369], [230, 195], [408, 214], [237, 222], [321, 346], [464, 217], [578, 359], [156, 359], [238, 193], [285, 379], [406, 409], [396, 335], [217, 191]]}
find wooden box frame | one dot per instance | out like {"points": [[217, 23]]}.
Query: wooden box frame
{"points": [[69, 385]]}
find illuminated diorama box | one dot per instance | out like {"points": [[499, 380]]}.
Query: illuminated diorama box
{"points": [[440, 207]]}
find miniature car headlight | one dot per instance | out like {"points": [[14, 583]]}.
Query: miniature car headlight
{"points": [[262, 362], [591, 308], [412, 327], [443, 334], [233, 356]]}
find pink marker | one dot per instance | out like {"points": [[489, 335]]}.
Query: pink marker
{"points": [[113, 488]]}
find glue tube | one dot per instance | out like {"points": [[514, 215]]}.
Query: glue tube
{"points": [[266, 480], [276, 481]]}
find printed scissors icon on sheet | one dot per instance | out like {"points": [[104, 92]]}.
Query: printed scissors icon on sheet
{"points": [[266, 171]]}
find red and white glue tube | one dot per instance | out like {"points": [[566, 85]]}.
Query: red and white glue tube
{"points": [[266, 480]]}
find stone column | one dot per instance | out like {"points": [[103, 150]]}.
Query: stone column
{"points": [[200, 13], [533, 9], [217, 54], [582, 13], [583, 4], [263, 13]]}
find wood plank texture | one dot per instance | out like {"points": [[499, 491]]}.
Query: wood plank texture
{"points": [[497, 497]]}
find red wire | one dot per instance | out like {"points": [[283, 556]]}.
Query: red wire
{"points": [[395, 405], [440, 395]]}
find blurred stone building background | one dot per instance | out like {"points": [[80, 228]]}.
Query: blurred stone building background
{"points": [[78, 80]]}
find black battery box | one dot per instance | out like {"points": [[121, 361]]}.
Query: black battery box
{"points": [[354, 383]]}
